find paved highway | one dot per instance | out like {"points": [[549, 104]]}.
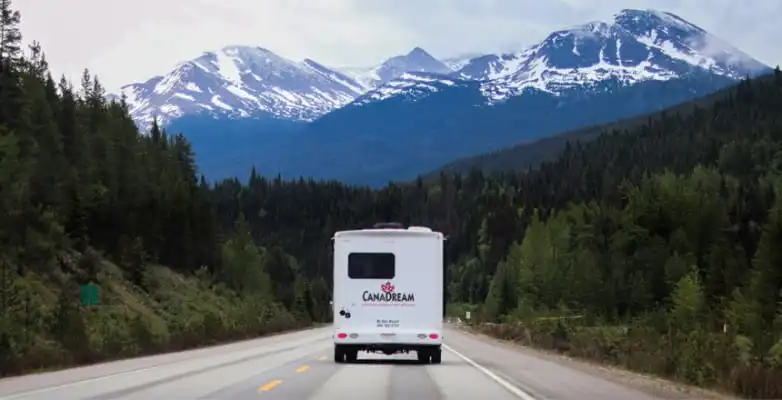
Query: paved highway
{"points": [[300, 366]]}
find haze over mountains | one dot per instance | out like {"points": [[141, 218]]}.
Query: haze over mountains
{"points": [[242, 106]]}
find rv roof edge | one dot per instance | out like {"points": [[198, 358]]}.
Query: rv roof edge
{"points": [[388, 225]]}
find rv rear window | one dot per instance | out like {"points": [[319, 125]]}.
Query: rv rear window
{"points": [[371, 265]]}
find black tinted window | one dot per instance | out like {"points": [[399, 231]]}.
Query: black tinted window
{"points": [[371, 265]]}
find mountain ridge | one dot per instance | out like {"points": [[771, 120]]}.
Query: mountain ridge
{"points": [[252, 82], [216, 83], [409, 115]]}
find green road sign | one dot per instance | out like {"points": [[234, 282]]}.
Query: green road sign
{"points": [[89, 295]]}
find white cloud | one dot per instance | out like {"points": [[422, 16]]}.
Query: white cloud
{"points": [[130, 41]]}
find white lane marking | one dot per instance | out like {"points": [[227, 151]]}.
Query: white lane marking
{"points": [[76, 383], [507, 385]]}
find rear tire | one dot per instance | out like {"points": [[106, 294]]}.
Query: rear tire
{"points": [[424, 355], [437, 356], [339, 355], [351, 356]]}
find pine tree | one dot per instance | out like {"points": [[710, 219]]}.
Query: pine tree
{"points": [[10, 38], [12, 109]]}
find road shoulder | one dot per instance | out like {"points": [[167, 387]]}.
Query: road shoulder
{"points": [[652, 385]]}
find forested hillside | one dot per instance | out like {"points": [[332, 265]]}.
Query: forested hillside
{"points": [[661, 245], [531, 154], [80, 187]]}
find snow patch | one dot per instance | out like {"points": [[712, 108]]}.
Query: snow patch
{"points": [[226, 67], [184, 96], [216, 101], [193, 87]]}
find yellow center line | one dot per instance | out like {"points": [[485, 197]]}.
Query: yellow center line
{"points": [[269, 386], [303, 368], [323, 358]]}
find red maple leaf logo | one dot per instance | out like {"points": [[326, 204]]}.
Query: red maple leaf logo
{"points": [[387, 287]]}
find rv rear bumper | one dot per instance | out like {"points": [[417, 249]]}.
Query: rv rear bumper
{"points": [[383, 339], [427, 346], [388, 348]]}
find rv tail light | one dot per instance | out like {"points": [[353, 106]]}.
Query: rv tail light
{"points": [[353, 335], [433, 336], [342, 335], [422, 336]]}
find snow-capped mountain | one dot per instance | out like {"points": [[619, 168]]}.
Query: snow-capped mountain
{"points": [[635, 46], [242, 81], [458, 62], [414, 113], [417, 60], [413, 85]]}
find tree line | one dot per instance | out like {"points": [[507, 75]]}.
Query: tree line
{"points": [[660, 239]]}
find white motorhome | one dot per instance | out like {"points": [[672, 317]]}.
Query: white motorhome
{"points": [[388, 292]]}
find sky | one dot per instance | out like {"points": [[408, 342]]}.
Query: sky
{"points": [[130, 41]]}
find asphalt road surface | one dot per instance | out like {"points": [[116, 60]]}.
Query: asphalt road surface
{"points": [[300, 366]]}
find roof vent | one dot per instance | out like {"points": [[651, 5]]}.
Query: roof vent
{"points": [[419, 229]]}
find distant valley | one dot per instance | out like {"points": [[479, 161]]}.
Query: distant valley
{"points": [[245, 106]]}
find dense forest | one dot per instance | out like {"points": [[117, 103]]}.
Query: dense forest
{"points": [[655, 247]]}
